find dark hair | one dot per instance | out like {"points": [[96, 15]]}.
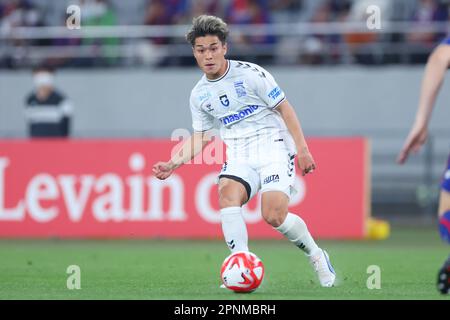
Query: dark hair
{"points": [[207, 25]]}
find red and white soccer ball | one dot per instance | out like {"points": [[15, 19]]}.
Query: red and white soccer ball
{"points": [[242, 272]]}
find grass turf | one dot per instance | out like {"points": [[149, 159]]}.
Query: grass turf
{"points": [[189, 269]]}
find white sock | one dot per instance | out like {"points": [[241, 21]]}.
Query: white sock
{"points": [[234, 229], [295, 229]]}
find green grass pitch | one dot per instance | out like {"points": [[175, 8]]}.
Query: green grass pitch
{"points": [[189, 269]]}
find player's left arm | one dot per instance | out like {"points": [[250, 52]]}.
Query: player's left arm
{"points": [[435, 70], [305, 160]]}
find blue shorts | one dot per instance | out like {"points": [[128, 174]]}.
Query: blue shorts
{"points": [[446, 178]]}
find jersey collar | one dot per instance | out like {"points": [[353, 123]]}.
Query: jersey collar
{"points": [[223, 76]]}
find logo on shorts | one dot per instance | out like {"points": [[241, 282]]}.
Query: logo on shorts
{"points": [[224, 100], [272, 178]]}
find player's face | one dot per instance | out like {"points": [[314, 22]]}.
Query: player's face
{"points": [[210, 52]]}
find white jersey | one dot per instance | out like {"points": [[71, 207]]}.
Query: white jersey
{"points": [[242, 103]]}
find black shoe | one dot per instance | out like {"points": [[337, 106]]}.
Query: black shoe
{"points": [[443, 281]]}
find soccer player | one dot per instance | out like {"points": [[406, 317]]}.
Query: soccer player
{"points": [[437, 65], [262, 135]]}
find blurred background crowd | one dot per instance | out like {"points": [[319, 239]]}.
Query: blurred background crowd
{"points": [[282, 32]]}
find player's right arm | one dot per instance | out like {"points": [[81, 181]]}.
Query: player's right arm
{"points": [[190, 148], [437, 65], [201, 123]]}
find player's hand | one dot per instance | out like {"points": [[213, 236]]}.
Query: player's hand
{"points": [[162, 170], [415, 140], [305, 162]]}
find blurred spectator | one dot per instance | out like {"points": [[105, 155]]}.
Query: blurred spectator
{"points": [[421, 43], [13, 14], [363, 45], [199, 7], [47, 111], [171, 12], [20, 13], [99, 13], [318, 49], [249, 12], [180, 10], [130, 12], [158, 13], [285, 11]]}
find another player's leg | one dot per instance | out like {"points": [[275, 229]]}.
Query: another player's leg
{"points": [[232, 195], [443, 281], [275, 212], [444, 213]]}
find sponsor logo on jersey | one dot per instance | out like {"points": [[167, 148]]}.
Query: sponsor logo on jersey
{"points": [[240, 89], [274, 93], [244, 113], [224, 100], [272, 178]]}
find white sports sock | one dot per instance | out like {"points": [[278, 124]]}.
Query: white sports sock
{"points": [[295, 229], [234, 229]]}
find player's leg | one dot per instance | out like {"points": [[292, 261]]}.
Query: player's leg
{"points": [[277, 184], [232, 196], [274, 206], [275, 212], [444, 215], [443, 281], [236, 186], [444, 205]]}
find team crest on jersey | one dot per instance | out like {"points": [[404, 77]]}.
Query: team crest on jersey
{"points": [[224, 100], [240, 89]]}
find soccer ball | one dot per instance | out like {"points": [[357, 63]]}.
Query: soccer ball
{"points": [[242, 272]]}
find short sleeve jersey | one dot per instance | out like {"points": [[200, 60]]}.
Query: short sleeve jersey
{"points": [[243, 103]]}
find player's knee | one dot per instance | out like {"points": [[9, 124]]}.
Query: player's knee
{"points": [[231, 194], [274, 215], [444, 226], [227, 201]]}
